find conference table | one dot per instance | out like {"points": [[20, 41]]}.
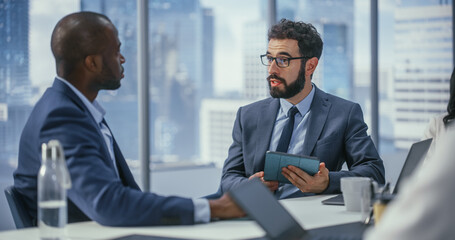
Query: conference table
{"points": [[308, 211]]}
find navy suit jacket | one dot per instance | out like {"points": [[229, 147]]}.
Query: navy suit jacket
{"points": [[97, 193], [336, 134]]}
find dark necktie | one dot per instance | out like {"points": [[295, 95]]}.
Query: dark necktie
{"points": [[286, 135]]}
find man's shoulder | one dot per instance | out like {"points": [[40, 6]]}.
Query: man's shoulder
{"points": [[334, 99], [260, 103], [56, 104]]}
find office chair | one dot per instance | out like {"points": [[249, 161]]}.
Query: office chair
{"points": [[18, 209]]}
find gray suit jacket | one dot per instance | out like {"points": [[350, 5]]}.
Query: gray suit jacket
{"points": [[336, 134]]}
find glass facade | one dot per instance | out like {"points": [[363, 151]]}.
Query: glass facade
{"points": [[15, 87], [204, 64]]}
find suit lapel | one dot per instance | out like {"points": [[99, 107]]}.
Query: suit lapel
{"points": [[124, 172], [123, 169], [318, 116], [265, 123]]}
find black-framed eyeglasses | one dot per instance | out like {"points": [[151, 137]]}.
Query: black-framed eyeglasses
{"points": [[281, 62]]}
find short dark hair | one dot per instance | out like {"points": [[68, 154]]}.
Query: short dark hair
{"points": [[76, 36], [451, 105], [308, 38]]}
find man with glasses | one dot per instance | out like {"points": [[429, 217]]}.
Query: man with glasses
{"points": [[299, 119]]}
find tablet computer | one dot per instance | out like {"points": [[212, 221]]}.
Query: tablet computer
{"points": [[275, 161]]}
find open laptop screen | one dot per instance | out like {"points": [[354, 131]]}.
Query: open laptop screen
{"points": [[416, 154], [259, 203]]}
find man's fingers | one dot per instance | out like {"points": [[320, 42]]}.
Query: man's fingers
{"points": [[272, 185], [300, 173], [293, 177], [257, 175], [322, 169]]}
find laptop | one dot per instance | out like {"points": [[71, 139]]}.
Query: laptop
{"points": [[416, 154], [260, 205]]}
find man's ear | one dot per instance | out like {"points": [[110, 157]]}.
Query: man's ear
{"points": [[93, 63], [311, 65]]}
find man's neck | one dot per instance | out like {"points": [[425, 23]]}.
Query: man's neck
{"points": [[84, 89], [301, 95]]}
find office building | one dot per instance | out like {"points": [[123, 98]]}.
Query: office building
{"points": [[423, 65], [255, 74], [14, 65], [335, 25], [15, 86], [206, 90], [217, 118], [180, 71]]}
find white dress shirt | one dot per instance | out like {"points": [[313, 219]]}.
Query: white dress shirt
{"points": [[435, 129]]}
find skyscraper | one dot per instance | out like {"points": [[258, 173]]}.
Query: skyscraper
{"points": [[14, 66], [423, 65], [217, 118], [15, 89], [206, 90], [255, 74], [180, 70], [336, 26]]}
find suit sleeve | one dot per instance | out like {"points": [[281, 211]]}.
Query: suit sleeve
{"points": [[96, 189], [362, 157], [234, 166]]}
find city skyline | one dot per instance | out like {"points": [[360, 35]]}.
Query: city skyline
{"points": [[186, 80]]}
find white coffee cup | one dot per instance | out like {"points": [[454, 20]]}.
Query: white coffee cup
{"points": [[352, 188]]}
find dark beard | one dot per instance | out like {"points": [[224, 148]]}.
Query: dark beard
{"points": [[291, 90], [109, 80]]}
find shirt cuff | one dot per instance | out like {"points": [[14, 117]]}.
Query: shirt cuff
{"points": [[201, 210]]}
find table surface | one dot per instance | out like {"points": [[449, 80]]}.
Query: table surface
{"points": [[308, 211]]}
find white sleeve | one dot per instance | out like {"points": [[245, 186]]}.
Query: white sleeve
{"points": [[201, 210], [432, 131]]}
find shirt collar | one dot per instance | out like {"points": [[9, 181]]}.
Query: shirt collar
{"points": [[95, 109], [303, 106]]}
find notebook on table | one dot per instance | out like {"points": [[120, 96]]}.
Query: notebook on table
{"points": [[260, 205], [416, 154]]}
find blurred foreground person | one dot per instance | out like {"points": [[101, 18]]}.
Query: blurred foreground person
{"points": [[424, 207]]}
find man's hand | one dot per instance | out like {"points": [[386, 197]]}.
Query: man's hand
{"points": [[224, 208], [306, 183], [272, 185]]}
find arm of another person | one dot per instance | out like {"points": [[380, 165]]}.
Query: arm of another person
{"points": [[96, 189], [100, 194]]}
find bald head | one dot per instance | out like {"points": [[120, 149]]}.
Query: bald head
{"points": [[76, 36]]}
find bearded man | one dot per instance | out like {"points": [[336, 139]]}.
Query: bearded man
{"points": [[322, 125]]}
